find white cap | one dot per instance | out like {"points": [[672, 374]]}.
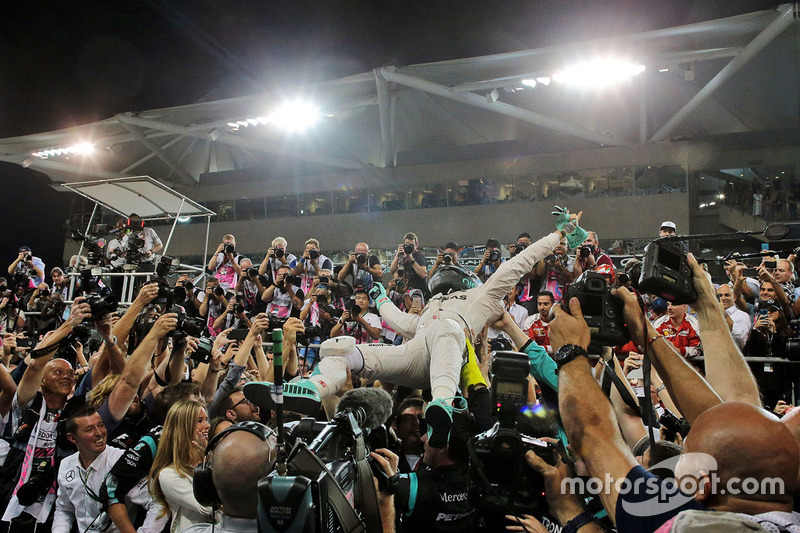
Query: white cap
{"points": [[668, 224]]}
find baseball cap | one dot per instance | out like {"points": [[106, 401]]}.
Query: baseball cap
{"points": [[669, 224]]}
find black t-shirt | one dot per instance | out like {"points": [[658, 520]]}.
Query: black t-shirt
{"points": [[650, 502], [436, 500], [413, 279]]}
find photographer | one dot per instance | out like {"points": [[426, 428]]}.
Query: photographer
{"points": [[60, 282], [27, 265], [276, 256], [491, 261], [250, 287], [193, 298], [11, 318], [225, 263], [27, 488], [283, 298], [449, 256], [435, 499], [361, 268], [318, 311], [402, 298], [151, 242], [358, 322], [213, 305], [50, 308], [310, 265], [556, 271], [413, 263], [589, 255]]}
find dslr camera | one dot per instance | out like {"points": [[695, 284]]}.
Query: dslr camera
{"points": [[186, 327], [447, 258], [230, 249], [585, 251], [39, 482], [500, 479], [408, 248], [494, 255], [361, 258], [601, 310], [666, 272]]}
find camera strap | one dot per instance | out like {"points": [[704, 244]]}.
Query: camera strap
{"points": [[610, 377]]}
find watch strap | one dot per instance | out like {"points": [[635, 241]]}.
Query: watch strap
{"points": [[576, 523]]}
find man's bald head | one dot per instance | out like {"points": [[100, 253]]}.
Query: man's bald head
{"points": [[240, 460], [747, 442]]}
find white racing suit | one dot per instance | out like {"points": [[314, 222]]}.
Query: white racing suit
{"points": [[437, 349]]}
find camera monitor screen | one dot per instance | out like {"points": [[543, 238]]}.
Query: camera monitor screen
{"points": [[511, 388], [669, 259], [592, 304]]}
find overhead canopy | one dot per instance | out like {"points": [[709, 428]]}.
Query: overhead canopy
{"points": [[713, 78], [141, 195]]}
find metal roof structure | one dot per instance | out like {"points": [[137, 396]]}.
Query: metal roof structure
{"points": [[732, 75]]}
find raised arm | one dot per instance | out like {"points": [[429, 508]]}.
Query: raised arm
{"points": [[137, 366], [122, 328], [726, 370]]}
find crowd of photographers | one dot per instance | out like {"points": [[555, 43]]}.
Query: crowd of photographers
{"points": [[110, 416]]}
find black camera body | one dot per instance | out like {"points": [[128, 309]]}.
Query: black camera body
{"points": [[187, 326], [447, 258], [408, 248], [585, 251], [300, 500], [230, 249], [601, 310], [313, 254], [674, 425], [203, 352], [279, 252], [500, 480], [494, 255], [361, 258], [666, 272], [101, 305], [39, 482]]}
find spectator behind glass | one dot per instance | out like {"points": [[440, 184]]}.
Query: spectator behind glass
{"points": [[311, 264], [276, 256], [225, 264], [413, 264], [26, 265], [181, 449]]}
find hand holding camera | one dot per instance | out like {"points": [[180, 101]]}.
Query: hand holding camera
{"points": [[569, 327], [259, 324], [165, 324], [146, 294], [291, 328], [79, 311]]}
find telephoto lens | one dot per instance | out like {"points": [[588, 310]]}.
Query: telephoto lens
{"points": [[408, 248]]}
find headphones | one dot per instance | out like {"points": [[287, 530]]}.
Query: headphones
{"points": [[134, 225], [204, 490]]}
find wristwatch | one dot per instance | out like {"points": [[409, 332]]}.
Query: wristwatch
{"points": [[567, 353]]}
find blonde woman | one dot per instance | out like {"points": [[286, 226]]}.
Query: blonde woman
{"points": [[182, 445]]}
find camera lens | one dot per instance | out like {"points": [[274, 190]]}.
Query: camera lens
{"points": [[278, 252], [219, 291], [408, 248], [313, 254], [448, 258], [361, 258]]}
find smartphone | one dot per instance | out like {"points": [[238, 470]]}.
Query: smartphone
{"points": [[770, 264], [750, 272], [763, 313], [26, 342], [238, 334]]}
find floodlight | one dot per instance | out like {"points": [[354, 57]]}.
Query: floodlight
{"points": [[544, 80], [598, 73], [84, 148], [529, 82], [295, 116]]}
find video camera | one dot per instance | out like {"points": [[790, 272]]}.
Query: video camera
{"points": [[326, 482], [500, 479], [94, 244], [601, 310], [666, 272]]}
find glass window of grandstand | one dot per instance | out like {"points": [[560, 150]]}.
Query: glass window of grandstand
{"points": [[660, 179], [426, 196], [526, 189], [224, 209], [316, 203], [354, 201], [249, 208], [562, 185], [502, 190], [768, 192], [281, 206], [387, 199], [613, 182], [469, 192]]}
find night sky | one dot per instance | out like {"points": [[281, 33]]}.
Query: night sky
{"points": [[69, 63]]}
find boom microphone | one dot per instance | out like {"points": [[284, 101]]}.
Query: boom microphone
{"points": [[376, 403]]}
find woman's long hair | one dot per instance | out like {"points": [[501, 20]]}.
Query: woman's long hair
{"points": [[175, 448]]}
